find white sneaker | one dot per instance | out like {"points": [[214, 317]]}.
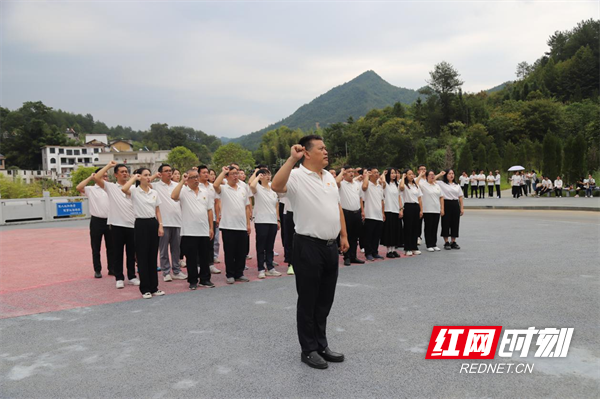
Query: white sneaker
{"points": [[134, 281], [230, 280], [120, 284], [408, 253], [180, 276], [290, 271], [273, 273], [419, 241], [182, 263], [275, 253], [216, 260], [214, 270], [417, 252], [362, 250], [158, 293], [436, 249], [275, 264], [261, 274], [430, 249], [167, 278], [147, 295]]}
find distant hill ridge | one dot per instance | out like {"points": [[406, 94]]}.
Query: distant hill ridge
{"points": [[354, 98]]}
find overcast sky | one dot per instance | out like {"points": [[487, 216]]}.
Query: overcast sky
{"points": [[231, 68]]}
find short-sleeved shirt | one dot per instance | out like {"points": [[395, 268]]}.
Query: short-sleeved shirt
{"points": [[233, 207], [490, 180], [170, 211], [120, 212], [516, 180], [464, 180], [497, 179], [411, 194], [350, 195], [450, 191], [98, 201], [283, 200], [481, 178], [391, 196], [194, 212], [431, 197], [558, 183], [473, 179], [373, 198], [265, 205], [144, 203], [316, 203]]}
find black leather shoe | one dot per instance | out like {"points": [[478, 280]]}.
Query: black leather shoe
{"points": [[358, 261], [347, 262], [98, 275], [331, 356], [314, 360], [377, 256]]}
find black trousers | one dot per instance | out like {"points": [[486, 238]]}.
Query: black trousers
{"points": [[316, 269], [432, 221], [465, 189], [197, 252], [451, 218], [354, 227], [498, 191], [516, 191], [282, 224], [558, 192], [412, 223], [146, 252], [99, 228], [290, 227], [234, 247], [474, 190], [490, 191], [265, 241], [481, 191], [123, 239], [372, 236]]}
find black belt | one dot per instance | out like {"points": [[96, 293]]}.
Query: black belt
{"points": [[318, 240], [346, 210]]}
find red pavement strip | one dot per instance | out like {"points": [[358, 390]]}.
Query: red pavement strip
{"points": [[50, 269]]}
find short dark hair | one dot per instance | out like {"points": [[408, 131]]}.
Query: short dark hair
{"points": [[307, 141], [262, 166], [419, 167], [202, 167], [233, 166], [346, 167], [160, 168], [119, 166]]}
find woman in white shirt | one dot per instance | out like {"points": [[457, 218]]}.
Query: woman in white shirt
{"points": [[392, 236], [497, 183], [413, 212], [464, 183], [266, 222], [148, 228], [516, 185], [490, 183], [453, 209], [433, 207], [474, 183], [558, 186]]}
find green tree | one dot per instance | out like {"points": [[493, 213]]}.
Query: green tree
{"points": [[233, 152], [421, 153], [444, 80], [510, 156], [480, 157], [78, 175], [182, 158], [550, 165], [465, 160], [494, 161]]}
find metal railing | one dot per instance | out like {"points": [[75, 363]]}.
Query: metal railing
{"points": [[44, 209]]}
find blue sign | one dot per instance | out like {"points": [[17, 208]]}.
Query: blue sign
{"points": [[69, 208]]}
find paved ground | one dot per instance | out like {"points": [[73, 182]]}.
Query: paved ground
{"points": [[516, 269], [532, 202]]}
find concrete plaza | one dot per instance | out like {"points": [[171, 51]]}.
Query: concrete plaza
{"points": [[516, 269]]}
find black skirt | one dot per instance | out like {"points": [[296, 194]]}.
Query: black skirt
{"points": [[392, 234]]}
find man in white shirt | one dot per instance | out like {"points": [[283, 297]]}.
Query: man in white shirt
{"points": [[481, 180], [319, 219], [235, 224], [206, 186], [558, 186], [244, 185], [196, 227], [474, 184], [497, 183], [589, 185], [171, 219], [350, 192], [121, 220], [373, 206], [464, 184], [99, 206]]}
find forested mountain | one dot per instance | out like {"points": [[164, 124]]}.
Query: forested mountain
{"points": [[352, 99]]}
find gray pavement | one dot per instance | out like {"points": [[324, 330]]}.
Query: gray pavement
{"points": [[532, 202], [516, 269]]}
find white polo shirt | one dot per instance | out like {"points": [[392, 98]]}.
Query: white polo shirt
{"points": [[373, 198], [170, 211], [490, 180], [497, 179], [233, 207], [411, 194], [97, 200], [315, 201], [481, 178], [464, 180], [283, 200], [120, 212], [558, 183], [450, 191], [431, 197], [473, 179], [144, 203], [194, 212], [265, 205], [350, 195], [391, 195], [516, 180]]}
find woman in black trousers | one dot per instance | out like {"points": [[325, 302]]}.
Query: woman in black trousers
{"points": [[148, 228], [413, 212], [453, 209]]}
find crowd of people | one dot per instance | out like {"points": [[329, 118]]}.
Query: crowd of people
{"points": [[169, 221]]}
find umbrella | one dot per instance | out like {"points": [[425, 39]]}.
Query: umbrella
{"points": [[515, 168]]}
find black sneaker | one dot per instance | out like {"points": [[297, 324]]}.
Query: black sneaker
{"points": [[193, 286], [390, 255], [97, 275], [396, 254], [377, 256], [208, 284], [347, 262], [447, 245], [455, 245]]}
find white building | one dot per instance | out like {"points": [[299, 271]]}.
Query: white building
{"points": [[29, 176], [63, 160], [134, 159]]}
